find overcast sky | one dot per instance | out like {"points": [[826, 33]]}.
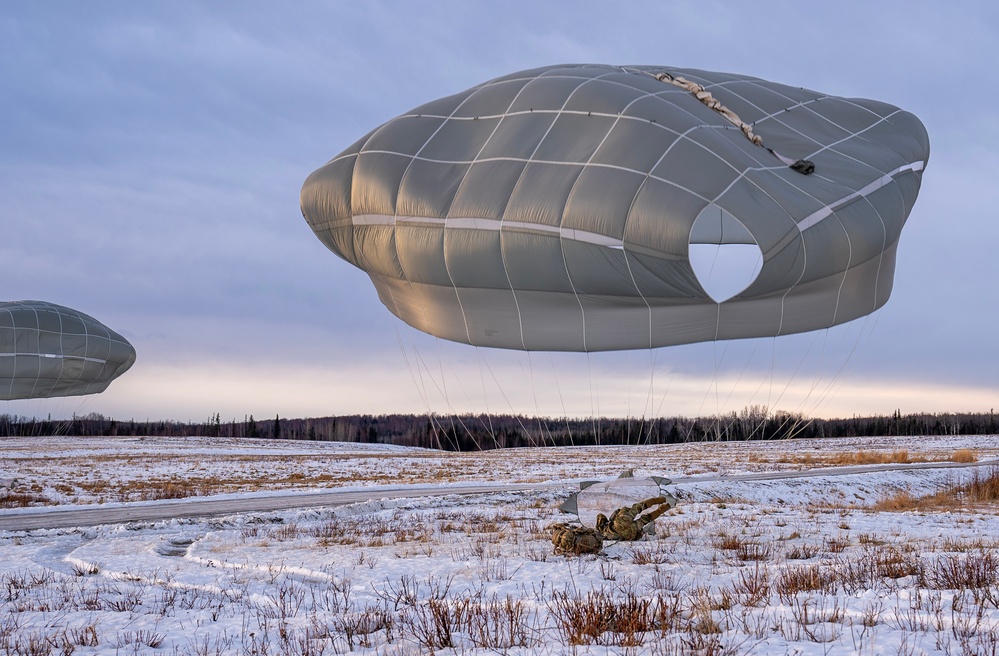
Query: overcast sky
{"points": [[152, 154]]}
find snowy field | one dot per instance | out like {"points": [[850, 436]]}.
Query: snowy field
{"points": [[821, 564]]}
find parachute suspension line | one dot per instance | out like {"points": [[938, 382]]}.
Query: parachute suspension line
{"points": [[561, 400], [756, 346], [765, 380], [453, 434], [714, 348], [484, 424], [492, 373], [714, 379], [707, 393], [822, 359], [801, 421], [797, 368], [650, 418], [835, 378], [485, 399], [723, 426], [468, 399], [640, 420], [773, 368], [657, 412], [802, 166], [770, 392], [537, 408], [40, 410], [627, 418], [647, 411], [764, 416], [713, 384], [805, 419], [593, 408], [825, 394], [738, 381], [421, 389], [435, 423], [447, 398]]}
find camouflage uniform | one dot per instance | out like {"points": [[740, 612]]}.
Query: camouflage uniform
{"points": [[575, 539], [626, 524]]}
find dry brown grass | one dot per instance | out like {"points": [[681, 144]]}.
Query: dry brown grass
{"points": [[726, 541], [810, 578], [190, 486], [873, 457], [753, 551], [168, 490], [99, 477], [876, 564], [652, 553], [600, 618], [753, 586], [964, 455], [981, 488], [901, 501], [802, 551], [972, 570], [22, 499], [848, 458]]}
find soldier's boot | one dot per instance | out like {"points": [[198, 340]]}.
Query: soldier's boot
{"points": [[657, 513], [648, 503], [648, 518]]}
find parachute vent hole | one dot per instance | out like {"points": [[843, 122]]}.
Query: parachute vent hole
{"points": [[723, 254], [724, 270]]}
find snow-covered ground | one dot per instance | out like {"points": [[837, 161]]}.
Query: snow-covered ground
{"points": [[790, 566]]}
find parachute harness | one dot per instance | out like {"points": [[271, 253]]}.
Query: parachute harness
{"points": [[801, 165]]}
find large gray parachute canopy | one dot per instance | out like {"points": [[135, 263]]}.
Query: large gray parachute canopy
{"points": [[49, 350], [556, 208]]}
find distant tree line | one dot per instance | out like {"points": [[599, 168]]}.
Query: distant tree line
{"points": [[478, 432]]}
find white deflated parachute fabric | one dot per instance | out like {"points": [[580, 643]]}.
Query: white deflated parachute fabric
{"points": [[48, 350], [604, 497], [555, 209]]}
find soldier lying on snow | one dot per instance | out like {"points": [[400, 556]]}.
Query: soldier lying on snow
{"points": [[626, 523]]}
